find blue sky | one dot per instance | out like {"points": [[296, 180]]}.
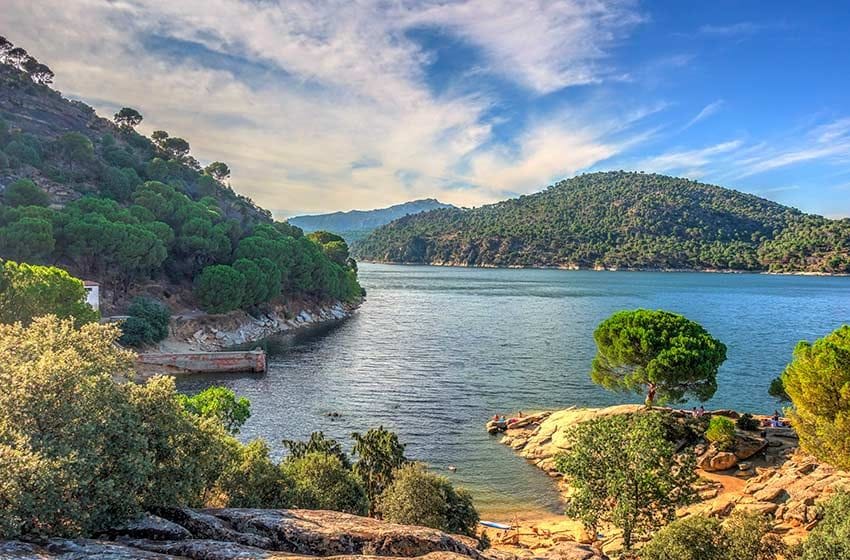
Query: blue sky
{"points": [[333, 105]]}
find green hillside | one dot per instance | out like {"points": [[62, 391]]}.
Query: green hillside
{"points": [[95, 197], [621, 220]]}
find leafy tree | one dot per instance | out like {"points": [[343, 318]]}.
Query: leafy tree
{"points": [[30, 291], [135, 332], [24, 192], [16, 57], [118, 183], [220, 288], [221, 404], [621, 469], [418, 497], [159, 137], [818, 382], [156, 169], [256, 283], [692, 538], [23, 153], [379, 455], [252, 480], [217, 170], [177, 147], [27, 238], [5, 46], [147, 323], [721, 432], [38, 72], [75, 149], [128, 117], [830, 539], [321, 481], [659, 353], [317, 443]]}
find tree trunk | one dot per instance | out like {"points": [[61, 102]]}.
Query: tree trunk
{"points": [[650, 395]]}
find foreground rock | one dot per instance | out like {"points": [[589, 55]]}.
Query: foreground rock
{"points": [[230, 534]]}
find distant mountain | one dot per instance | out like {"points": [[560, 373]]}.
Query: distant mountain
{"points": [[621, 220], [355, 224]]}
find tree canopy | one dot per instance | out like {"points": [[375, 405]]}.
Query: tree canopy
{"points": [[128, 117], [657, 353], [30, 291]]}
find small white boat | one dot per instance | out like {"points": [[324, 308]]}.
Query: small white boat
{"points": [[495, 525]]}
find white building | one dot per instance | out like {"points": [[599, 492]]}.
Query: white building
{"points": [[92, 294]]}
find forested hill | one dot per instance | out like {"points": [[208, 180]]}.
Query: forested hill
{"points": [[95, 197], [621, 220], [355, 224]]}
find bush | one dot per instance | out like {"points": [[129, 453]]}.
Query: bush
{"points": [[254, 481], [747, 423], [23, 153], [317, 443], [818, 383], [721, 432], [220, 404], [747, 536], [220, 288], [830, 539], [24, 192], [690, 538], [321, 481], [147, 323], [4, 160], [418, 497]]}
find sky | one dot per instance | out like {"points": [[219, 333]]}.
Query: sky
{"points": [[334, 105]]}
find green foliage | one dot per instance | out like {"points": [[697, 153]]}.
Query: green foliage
{"points": [[620, 220], [220, 404], [777, 390], [621, 469], [747, 423], [128, 117], [30, 291], [220, 288], [217, 170], [818, 382], [118, 183], [258, 287], [662, 354], [23, 152], [721, 432], [147, 323], [27, 238], [830, 539], [24, 192], [379, 455], [75, 149], [692, 538], [321, 481], [418, 497], [254, 481], [742, 537], [317, 443]]}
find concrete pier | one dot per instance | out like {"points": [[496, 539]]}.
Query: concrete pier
{"points": [[201, 362]]}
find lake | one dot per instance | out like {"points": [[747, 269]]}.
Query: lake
{"points": [[434, 352]]}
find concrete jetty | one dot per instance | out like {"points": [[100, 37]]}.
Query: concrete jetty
{"points": [[201, 362]]}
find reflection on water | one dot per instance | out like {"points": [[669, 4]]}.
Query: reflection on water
{"points": [[436, 351]]}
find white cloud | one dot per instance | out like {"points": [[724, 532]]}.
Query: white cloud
{"points": [[690, 163], [706, 112], [325, 84]]}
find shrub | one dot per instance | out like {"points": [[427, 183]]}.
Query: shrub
{"points": [[23, 153], [220, 404], [623, 470], [220, 288], [830, 539], [317, 443], [379, 455], [321, 481], [747, 536], [747, 423], [721, 432], [155, 313], [691, 538], [418, 497], [4, 160], [254, 481], [24, 192], [135, 332], [818, 382]]}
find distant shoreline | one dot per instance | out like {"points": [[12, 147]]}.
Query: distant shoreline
{"points": [[607, 269]]}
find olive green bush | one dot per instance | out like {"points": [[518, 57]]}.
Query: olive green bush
{"points": [[254, 480], [321, 481], [24, 192], [721, 432], [419, 497], [830, 539]]}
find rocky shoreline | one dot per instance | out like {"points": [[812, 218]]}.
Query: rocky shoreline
{"points": [[198, 332], [764, 473]]}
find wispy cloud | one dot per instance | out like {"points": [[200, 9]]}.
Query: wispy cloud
{"points": [[732, 29], [706, 112], [691, 163]]}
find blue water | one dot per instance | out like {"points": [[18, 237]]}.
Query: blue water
{"points": [[434, 352]]}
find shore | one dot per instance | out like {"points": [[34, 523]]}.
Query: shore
{"points": [[201, 332], [774, 478]]}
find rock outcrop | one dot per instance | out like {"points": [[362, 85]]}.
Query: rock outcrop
{"points": [[230, 534]]}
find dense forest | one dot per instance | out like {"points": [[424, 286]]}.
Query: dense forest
{"points": [[621, 220], [356, 224], [109, 204]]}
